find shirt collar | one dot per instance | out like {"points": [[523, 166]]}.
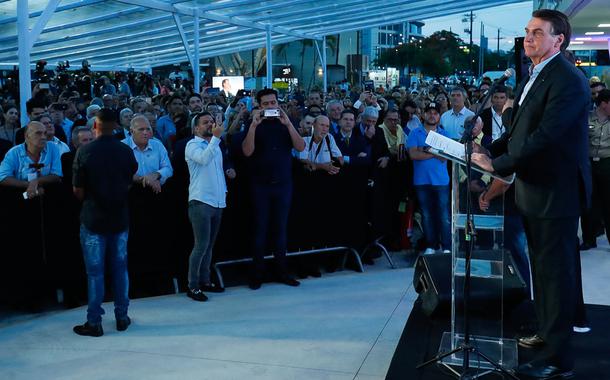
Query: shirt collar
{"points": [[458, 113], [24, 151], [344, 134], [536, 69], [133, 145]]}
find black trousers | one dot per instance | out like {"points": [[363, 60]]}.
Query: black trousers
{"points": [[552, 256], [591, 222]]}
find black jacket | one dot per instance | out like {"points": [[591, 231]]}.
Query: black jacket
{"points": [[547, 144]]}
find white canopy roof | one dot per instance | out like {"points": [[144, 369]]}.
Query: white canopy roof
{"points": [[116, 34]]}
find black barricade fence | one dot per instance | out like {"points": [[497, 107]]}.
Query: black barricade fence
{"points": [[149, 249], [391, 186], [326, 211], [39, 251]]}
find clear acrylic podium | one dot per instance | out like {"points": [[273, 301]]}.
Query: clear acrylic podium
{"points": [[487, 277]]}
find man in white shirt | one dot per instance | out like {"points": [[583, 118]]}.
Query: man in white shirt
{"points": [[207, 198], [321, 150], [453, 120], [493, 127]]}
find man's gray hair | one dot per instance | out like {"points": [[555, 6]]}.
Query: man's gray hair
{"points": [[124, 111], [75, 133], [332, 103], [370, 112], [460, 89], [139, 118]]}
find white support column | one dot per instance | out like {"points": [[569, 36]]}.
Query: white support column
{"points": [[324, 76], [25, 76], [269, 58], [196, 67]]}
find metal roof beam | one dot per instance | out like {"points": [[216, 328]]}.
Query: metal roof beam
{"points": [[401, 17], [42, 22], [185, 42], [209, 53], [161, 6], [66, 7], [253, 25]]}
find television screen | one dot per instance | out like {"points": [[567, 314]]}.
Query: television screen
{"points": [[230, 85]]}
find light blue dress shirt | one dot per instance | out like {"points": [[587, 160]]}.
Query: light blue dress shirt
{"points": [[453, 123], [152, 159], [204, 160], [17, 163], [165, 128], [533, 75]]}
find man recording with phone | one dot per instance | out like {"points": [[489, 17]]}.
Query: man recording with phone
{"points": [[268, 145]]}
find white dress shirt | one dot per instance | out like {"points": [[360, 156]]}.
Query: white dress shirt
{"points": [[497, 129]]}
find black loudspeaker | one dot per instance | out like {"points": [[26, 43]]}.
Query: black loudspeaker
{"points": [[521, 61], [432, 281]]}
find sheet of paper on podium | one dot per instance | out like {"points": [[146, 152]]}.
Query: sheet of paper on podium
{"points": [[455, 151], [446, 145]]}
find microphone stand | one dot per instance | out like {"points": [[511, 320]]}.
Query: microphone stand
{"points": [[470, 231]]}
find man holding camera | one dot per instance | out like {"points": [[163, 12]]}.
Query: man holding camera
{"points": [[268, 144], [321, 151]]}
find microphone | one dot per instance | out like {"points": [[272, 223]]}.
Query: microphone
{"points": [[510, 72]]}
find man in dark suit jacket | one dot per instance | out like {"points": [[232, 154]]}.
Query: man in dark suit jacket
{"points": [[546, 146], [355, 149], [493, 127]]}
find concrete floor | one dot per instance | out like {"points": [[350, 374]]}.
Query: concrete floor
{"points": [[345, 325]]}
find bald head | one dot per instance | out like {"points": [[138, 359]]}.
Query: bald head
{"points": [[321, 125], [36, 135]]}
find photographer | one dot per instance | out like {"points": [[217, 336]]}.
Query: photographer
{"points": [[321, 151], [268, 145]]}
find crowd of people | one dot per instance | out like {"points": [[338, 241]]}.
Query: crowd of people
{"points": [[351, 151]]}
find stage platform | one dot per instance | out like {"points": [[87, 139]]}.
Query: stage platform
{"points": [[344, 325], [421, 336]]}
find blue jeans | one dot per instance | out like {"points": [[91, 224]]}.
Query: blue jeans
{"points": [[205, 220], [95, 247], [434, 205], [515, 241]]}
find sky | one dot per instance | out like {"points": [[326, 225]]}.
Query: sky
{"points": [[511, 19]]}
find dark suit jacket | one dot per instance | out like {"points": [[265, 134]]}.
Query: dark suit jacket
{"points": [[357, 145], [546, 144]]}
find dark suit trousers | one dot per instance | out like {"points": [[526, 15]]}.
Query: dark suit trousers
{"points": [[600, 209], [552, 255], [271, 203]]}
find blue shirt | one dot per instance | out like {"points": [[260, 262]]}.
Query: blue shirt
{"points": [[165, 128], [17, 163], [204, 160], [454, 122], [431, 171], [152, 159]]}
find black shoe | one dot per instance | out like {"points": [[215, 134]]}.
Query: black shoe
{"points": [[289, 281], [197, 295], [587, 246], [255, 284], [531, 341], [315, 273], [89, 330], [540, 372], [212, 288], [123, 324]]}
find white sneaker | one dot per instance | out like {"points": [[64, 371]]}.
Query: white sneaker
{"points": [[581, 329], [429, 251], [446, 251]]}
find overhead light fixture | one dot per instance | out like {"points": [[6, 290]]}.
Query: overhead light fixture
{"points": [[583, 39], [576, 42], [594, 33], [603, 26]]}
